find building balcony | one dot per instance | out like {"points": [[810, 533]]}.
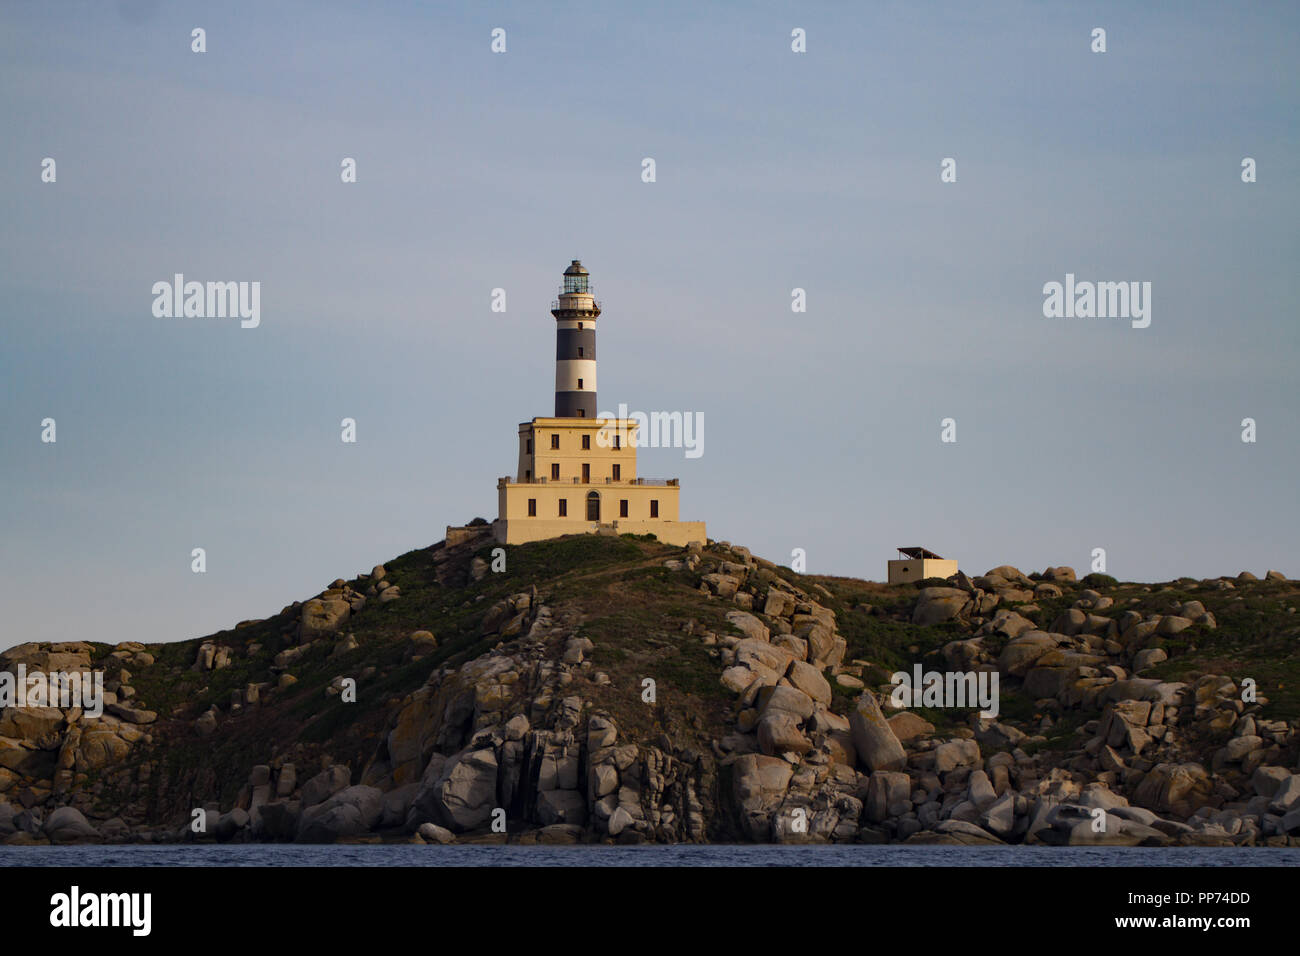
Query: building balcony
{"points": [[625, 482], [594, 310]]}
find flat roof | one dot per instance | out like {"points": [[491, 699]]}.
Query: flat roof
{"points": [[577, 421]]}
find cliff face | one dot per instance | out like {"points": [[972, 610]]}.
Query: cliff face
{"points": [[604, 688]]}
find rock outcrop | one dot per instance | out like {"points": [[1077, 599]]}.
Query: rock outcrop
{"points": [[744, 706]]}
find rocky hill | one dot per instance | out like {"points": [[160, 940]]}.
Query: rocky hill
{"points": [[605, 688]]}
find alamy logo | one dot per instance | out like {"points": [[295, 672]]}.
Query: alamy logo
{"points": [[208, 300], [654, 430], [59, 689], [1101, 300], [950, 689], [75, 908]]}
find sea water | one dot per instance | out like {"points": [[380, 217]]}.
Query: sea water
{"points": [[288, 854]]}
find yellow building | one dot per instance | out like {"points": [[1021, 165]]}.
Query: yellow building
{"points": [[577, 472], [917, 564]]}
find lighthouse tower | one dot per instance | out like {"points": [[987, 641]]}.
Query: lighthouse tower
{"points": [[577, 472], [575, 314]]}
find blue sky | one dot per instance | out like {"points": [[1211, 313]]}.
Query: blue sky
{"points": [[775, 170]]}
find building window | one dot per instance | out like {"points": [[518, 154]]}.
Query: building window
{"points": [[618, 442], [586, 442], [654, 508], [579, 325], [528, 446], [564, 507], [593, 506], [582, 413], [580, 385], [586, 473], [532, 507], [622, 508], [580, 351], [528, 474], [555, 471], [618, 474], [555, 440]]}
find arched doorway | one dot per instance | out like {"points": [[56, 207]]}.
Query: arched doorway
{"points": [[593, 506]]}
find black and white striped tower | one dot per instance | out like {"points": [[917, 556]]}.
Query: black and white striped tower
{"points": [[575, 314]]}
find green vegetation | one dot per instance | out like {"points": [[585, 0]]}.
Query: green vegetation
{"points": [[1098, 581], [931, 583]]}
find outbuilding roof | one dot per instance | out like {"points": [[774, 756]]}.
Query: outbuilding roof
{"points": [[920, 553]]}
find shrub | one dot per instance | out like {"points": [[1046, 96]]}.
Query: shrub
{"points": [[1096, 580], [933, 583]]}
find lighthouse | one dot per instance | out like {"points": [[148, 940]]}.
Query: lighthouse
{"points": [[577, 473], [575, 314]]}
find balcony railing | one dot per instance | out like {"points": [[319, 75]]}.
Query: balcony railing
{"points": [[555, 304], [656, 482]]}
